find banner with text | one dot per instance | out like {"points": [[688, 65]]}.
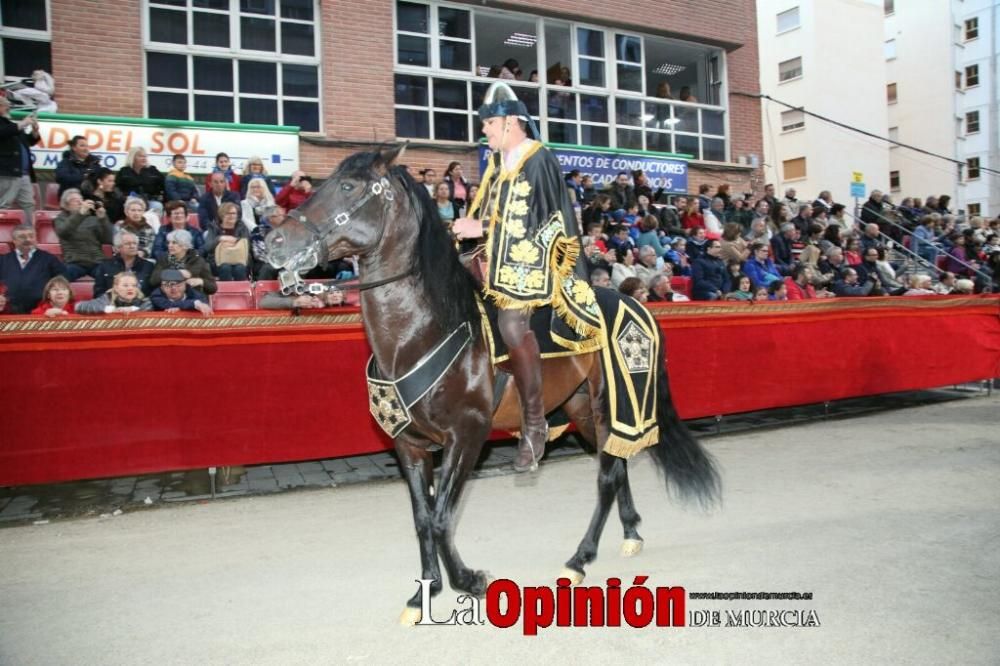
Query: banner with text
{"points": [[668, 173], [111, 142]]}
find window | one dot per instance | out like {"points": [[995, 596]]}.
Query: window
{"points": [[893, 180], [788, 20], [240, 61], [971, 28], [972, 122], [893, 136], [889, 6], [794, 169], [974, 209], [793, 119], [972, 166], [25, 39], [790, 69], [595, 86], [890, 93], [958, 80], [972, 76], [889, 49]]}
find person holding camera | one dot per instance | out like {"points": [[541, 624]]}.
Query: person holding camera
{"points": [[850, 285], [83, 227], [102, 191]]}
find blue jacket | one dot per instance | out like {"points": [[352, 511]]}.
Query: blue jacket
{"points": [[107, 270], [761, 274], [160, 242], [708, 276], [652, 240], [781, 248], [208, 210], [24, 286], [191, 296]]}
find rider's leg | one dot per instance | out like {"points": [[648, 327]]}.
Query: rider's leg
{"points": [[526, 365]]}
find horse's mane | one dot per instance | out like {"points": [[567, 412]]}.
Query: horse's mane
{"points": [[448, 286]]}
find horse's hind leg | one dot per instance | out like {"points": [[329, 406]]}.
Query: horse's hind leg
{"points": [[459, 459], [629, 516], [608, 482], [418, 470]]}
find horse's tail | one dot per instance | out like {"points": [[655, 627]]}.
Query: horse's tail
{"points": [[688, 469]]}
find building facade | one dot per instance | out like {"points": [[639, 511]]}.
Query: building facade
{"points": [[826, 57], [353, 72]]}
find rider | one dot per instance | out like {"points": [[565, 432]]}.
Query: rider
{"points": [[524, 211]]}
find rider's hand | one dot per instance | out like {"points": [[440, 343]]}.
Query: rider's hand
{"points": [[467, 227]]}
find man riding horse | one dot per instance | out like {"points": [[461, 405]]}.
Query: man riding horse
{"points": [[531, 235]]}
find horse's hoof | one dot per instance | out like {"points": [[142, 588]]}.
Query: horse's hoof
{"points": [[410, 616], [631, 547], [575, 577]]}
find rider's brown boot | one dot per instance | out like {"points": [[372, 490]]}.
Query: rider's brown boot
{"points": [[526, 366]]}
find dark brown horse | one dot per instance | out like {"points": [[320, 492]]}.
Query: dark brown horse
{"points": [[416, 293]]}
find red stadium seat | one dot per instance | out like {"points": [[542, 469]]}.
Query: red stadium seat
{"points": [[6, 248], [11, 218], [44, 226], [941, 260], [233, 296], [52, 248], [83, 289], [36, 193], [681, 284], [261, 288], [51, 196], [45, 216], [194, 221]]}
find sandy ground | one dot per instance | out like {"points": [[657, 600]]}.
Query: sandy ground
{"points": [[892, 521]]}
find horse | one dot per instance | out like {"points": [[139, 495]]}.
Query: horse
{"points": [[415, 293]]}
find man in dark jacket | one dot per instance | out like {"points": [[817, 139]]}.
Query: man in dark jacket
{"points": [[77, 163], [216, 193], [16, 172], [781, 248], [871, 212], [621, 193], [25, 271], [850, 286], [126, 259], [174, 295]]}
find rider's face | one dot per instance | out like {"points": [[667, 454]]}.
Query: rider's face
{"points": [[493, 130]]}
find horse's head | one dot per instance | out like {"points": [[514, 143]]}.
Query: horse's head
{"points": [[347, 216]]}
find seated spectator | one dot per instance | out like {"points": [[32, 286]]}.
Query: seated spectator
{"points": [[781, 248], [964, 286], [100, 188], [25, 271], [838, 217], [887, 274], [734, 248], [677, 256], [852, 252], [216, 193], [77, 164], [696, 243], [850, 285], [803, 220], [458, 186], [57, 299], [176, 219], [138, 222], [258, 204], [621, 240], [139, 178], [734, 269], [709, 277], [599, 211], [126, 260], [182, 256], [692, 217], [224, 166], [599, 277], [831, 267], [649, 265], [946, 283], [445, 206], [759, 231], [811, 253], [227, 245], [743, 291], [870, 238], [714, 217], [741, 213], [759, 267], [179, 185], [648, 235], [798, 283], [920, 285], [622, 269], [123, 297], [299, 189], [622, 194], [589, 191], [824, 200], [428, 178], [275, 301], [254, 170], [959, 260], [777, 291], [82, 231], [759, 293], [704, 200], [473, 190], [635, 288], [831, 238], [661, 291], [175, 294]]}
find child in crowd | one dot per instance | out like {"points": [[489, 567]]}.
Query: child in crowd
{"points": [[180, 185], [57, 299]]}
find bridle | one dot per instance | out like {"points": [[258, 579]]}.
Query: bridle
{"points": [[292, 282]]}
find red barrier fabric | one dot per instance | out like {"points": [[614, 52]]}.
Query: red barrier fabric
{"points": [[92, 397]]}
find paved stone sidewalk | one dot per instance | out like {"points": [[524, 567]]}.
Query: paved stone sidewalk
{"points": [[105, 497]]}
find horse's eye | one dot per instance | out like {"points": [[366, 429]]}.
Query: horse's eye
{"points": [[347, 187]]}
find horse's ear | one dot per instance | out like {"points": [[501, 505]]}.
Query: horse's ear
{"points": [[388, 156]]}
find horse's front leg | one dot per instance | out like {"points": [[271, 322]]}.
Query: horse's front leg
{"points": [[608, 481], [462, 448], [418, 470]]}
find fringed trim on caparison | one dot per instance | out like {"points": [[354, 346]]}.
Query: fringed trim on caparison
{"points": [[581, 346], [620, 447]]}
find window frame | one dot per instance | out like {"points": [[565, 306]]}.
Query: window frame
{"points": [[894, 97], [889, 49], [972, 74], [26, 34], [971, 25], [971, 121], [894, 181], [784, 170], [972, 164], [609, 91], [798, 20], [888, 7], [235, 53], [795, 126], [974, 212], [796, 76]]}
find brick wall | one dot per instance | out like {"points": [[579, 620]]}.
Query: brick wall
{"points": [[357, 78]]}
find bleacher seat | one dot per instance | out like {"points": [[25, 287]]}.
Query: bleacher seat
{"points": [[108, 250], [681, 284], [45, 226], [83, 289], [5, 248], [52, 248], [45, 216], [233, 296], [194, 221], [51, 196], [8, 220], [36, 194]]}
